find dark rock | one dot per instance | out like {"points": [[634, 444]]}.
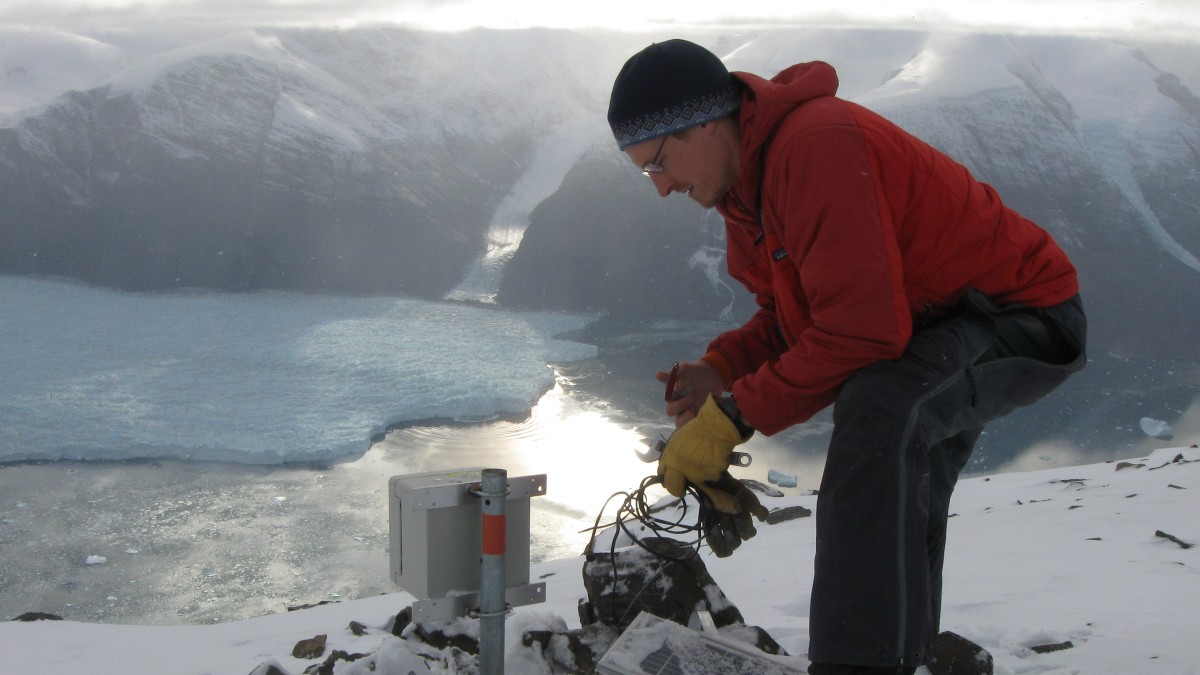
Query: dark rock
{"points": [[585, 646], [401, 621], [38, 616], [1056, 647], [953, 654], [326, 667], [540, 637], [1170, 537], [662, 576], [759, 486], [433, 634], [312, 648], [777, 516]]}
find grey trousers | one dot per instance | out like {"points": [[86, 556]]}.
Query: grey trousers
{"points": [[903, 431]]}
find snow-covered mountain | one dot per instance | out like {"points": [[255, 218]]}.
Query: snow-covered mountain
{"points": [[347, 161], [478, 165], [36, 66]]}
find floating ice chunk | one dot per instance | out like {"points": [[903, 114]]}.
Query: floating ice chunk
{"points": [[95, 560], [1157, 429], [781, 479]]}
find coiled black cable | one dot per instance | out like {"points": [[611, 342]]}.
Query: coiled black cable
{"points": [[636, 507]]}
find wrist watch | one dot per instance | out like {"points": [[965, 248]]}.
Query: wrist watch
{"points": [[729, 407]]}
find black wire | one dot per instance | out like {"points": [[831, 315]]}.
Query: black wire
{"points": [[635, 507]]}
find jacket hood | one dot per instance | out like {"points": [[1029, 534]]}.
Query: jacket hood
{"points": [[765, 103]]}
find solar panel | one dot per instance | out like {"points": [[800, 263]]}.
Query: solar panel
{"points": [[656, 646]]}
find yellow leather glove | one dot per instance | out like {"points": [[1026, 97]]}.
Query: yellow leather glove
{"points": [[698, 453]]}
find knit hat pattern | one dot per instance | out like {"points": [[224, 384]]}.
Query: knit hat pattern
{"points": [[685, 115], [668, 87]]}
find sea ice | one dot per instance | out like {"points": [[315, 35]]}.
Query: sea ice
{"points": [[781, 479], [1157, 429]]}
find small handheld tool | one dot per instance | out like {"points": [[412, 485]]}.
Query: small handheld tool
{"points": [[672, 380], [654, 450]]}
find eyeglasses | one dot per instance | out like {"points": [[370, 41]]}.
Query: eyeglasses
{"points": [[653, 166]]}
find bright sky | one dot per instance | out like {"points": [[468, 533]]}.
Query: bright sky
{"points": [[1165, 18]]}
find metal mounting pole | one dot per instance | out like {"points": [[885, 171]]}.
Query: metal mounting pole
{"points": [[492, 607]]}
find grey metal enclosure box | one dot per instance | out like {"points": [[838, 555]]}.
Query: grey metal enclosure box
{"points": [[436, 530]]}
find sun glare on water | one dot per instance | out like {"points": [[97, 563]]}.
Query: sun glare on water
{"points": [[586, 459]]}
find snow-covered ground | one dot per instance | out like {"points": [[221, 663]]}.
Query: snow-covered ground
{"points": [[1094, 560]]}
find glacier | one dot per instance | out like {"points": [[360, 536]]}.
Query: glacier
{"points": [[263, 378]]}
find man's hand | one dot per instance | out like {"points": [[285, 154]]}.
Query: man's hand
{"points": [[698, 453], [695, 381]]}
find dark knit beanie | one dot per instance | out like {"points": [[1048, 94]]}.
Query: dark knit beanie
{"points": [[668, 87]]}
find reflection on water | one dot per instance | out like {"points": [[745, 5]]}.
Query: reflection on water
{"points": [[585, 456], [193, 542]]}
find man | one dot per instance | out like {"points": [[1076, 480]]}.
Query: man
{"points": [[890, 283]]}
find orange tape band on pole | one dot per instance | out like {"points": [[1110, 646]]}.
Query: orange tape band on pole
{"points": [[494, 535]]}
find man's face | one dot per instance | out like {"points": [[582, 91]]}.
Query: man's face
{"points": [[691, 163]]}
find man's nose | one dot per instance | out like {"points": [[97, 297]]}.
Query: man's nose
{"points": [[663, 184]]}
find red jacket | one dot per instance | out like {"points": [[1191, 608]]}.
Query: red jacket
{"points": [[864, 228]]}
